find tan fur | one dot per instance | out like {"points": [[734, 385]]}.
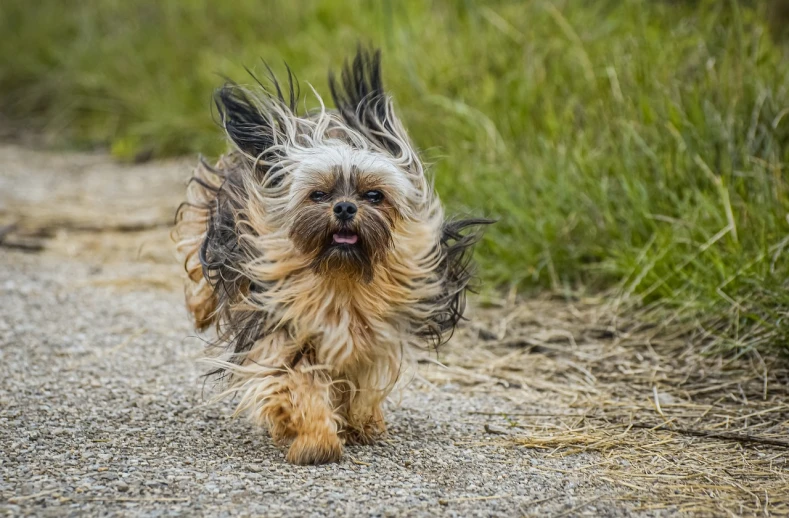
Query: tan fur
{"points": [[335, 340], [190, 232], [354, 334]]}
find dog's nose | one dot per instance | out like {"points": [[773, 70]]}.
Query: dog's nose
{"points": [[345, 210]]}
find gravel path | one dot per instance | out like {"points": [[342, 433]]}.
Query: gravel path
{"points": [[103, 410]]}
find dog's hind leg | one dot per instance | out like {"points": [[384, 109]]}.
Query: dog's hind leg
{"points": [[365, 419]]}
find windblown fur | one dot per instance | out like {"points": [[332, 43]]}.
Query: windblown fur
{"points": [[316, 326]]}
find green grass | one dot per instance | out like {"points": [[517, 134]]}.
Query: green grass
{"points": [[632, 144]]}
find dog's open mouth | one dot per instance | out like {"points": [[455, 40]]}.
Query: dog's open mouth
{"points": [[345, 237]]}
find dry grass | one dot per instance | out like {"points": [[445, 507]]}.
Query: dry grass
{"points": [[675, 429]]}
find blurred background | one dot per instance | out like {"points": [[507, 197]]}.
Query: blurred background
{"points": [[638, 146]]}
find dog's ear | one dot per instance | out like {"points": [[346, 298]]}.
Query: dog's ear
{"points": [[363, 104], [257, 124], [244, 121]]}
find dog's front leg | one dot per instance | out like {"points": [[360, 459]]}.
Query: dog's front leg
{"points": [[295, 402], [298, 407], [311, 417]]}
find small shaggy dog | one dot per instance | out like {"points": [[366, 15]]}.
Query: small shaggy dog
{"points": [[320, 251]]}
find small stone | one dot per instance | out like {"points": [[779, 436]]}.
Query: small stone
{"points": [[121, 486]]}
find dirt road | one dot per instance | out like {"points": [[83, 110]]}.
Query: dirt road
{"points": [[537, 408]]}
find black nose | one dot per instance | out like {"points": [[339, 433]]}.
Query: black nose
{"points": [[345, 210]]}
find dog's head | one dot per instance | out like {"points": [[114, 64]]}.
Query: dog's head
{"points": [[344, 208], [339, 183]]}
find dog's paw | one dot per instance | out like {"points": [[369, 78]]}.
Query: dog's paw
{"points": [[312, 449], [365, 432], [365, 436]]}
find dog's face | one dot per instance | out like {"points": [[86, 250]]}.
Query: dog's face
{"points": [[344, 209]]}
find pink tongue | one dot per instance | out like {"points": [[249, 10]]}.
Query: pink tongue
{"points": [[351, 239]]}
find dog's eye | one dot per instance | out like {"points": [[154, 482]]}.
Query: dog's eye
{"points": [[318, 196], [374, 196]]}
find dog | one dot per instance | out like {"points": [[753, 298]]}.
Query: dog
{"points": [[319, 249]]}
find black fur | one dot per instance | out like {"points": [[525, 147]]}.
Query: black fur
{"points": [[245, 124], [457, 272], [361, 100], [248, 127], [221, 255]]}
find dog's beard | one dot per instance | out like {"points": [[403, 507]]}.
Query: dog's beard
{"points": [[343, 249], [348, 259]]}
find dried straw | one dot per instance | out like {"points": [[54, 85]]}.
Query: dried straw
{"points": [[672, 428]]}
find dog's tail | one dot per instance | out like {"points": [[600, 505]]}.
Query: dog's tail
{"points": [[191, 228]]}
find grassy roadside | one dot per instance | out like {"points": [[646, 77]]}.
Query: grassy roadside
{"points": [[635, 144]]}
